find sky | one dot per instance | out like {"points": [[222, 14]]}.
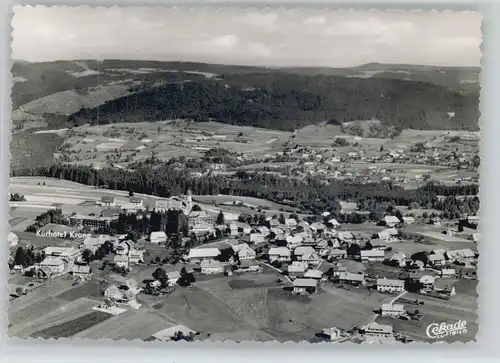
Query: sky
{"points": [[274, 37]]}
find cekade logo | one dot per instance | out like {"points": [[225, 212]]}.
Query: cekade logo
{"points": [[439, 331]]}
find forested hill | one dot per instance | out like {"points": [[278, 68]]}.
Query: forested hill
{"points": [[288, 101]]}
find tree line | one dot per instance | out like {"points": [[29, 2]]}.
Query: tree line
{"points": [[287, 101], [311, 195]]}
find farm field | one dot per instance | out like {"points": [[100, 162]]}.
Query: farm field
{"points": [[254, 307], [130, 325], [60, 315], [72, 327]]}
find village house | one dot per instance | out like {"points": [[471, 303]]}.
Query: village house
{"points": [[445, 287], [465, 255], [263, 230], [399, 258], [332, 333], [244, 252], [345, 236], [303, 286], [92, 222], [392, 310], [108, 201], [317, 227], [233, 229], [158, 237], [281, 254], [345, 277], [293, 241], [391, 221], [313, 274], [297, 269], [378, 333], [408, 220], [333, 223], [93, 243], [389, 285], [389, 234], [254, 238], [173, 277], [69, 254], [121, 261], [82, 271], [198, 255], [249, 265], [436, 259], [427, 282], [338, 254], [273, 223], [124, 295], [136, 201], [201, 221], [291, 223], [447, 273], [136, 255], [301, 251], [311, 258], [122, 248], [372, 255], [52, 265], [183, 203], [211, 267]]}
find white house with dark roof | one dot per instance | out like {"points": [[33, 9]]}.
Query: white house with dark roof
{"points": [[108, 201], [244, 252]]}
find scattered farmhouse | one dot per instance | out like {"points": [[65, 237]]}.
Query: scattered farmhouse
{"points": [[389, 285], [392, 310], [303, 286]]}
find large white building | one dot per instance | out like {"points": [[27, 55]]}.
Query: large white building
{"points": [[52, 265], [183, 203], [389, 285]]}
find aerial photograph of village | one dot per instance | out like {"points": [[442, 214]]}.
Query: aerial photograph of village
{"points": [[272, 176]]}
